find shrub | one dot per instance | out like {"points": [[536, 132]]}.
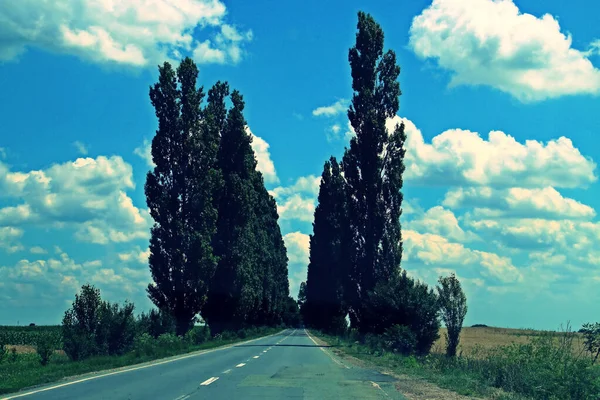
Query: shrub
{"points": [[591, 340], [93, 327], [13, 355], [117, 328], [168, 343], [144, 345], [46, 344], [399, 339], [404, 301], [197, 335]]}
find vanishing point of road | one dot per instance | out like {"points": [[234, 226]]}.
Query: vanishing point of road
{"points": [[287, 365]]}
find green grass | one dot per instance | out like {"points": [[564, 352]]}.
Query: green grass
{"points": [[27, 371], [541, 369]]}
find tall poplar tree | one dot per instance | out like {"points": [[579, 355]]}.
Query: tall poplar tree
{"points": [[325, 305], [373, 167], [179, 192], [236, 286]]}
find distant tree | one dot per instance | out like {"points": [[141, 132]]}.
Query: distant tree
{"points": [[325, 279], [373, 166], [155, 323], [302, 294], [179, 192], [453, 306]]}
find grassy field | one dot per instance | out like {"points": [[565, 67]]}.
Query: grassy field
{"points": [[474, 340], [22, 368]]}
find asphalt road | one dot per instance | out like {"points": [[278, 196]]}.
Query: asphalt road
{"points": [[289, 365]]}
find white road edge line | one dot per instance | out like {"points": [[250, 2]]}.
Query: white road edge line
{"points": [[326, 352], [209, 381], [240, 365], [133, 368]]}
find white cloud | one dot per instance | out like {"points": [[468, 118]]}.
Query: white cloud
{"points": [[298, 248], [440, 221], [333, 133], [263, 157], [517, 203], [297, 208], [137, 255], [459, 157], [80, 147], [330, 111], [37, 250], [135, 33], [9, 239], [304, 185], [88, 194], [145, 152], [431, 249], [490, 42]]}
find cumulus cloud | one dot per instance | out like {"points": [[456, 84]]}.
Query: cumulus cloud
{"points": [[298, 200], [9, 239], [490, 42], [136, 33], [37, 250], [432, 249], [298, 248], [517, 202], [144, 151], [137, 255], [88, 194], [440, 221], [263, 157], [332, 110], [458, 157]]}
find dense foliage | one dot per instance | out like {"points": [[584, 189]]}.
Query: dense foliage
{"points": [[216, 249]]}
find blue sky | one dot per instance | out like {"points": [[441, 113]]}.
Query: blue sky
{"points": [[500, 102]]}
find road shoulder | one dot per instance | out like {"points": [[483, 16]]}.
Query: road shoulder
{"points": [[411, 387]]}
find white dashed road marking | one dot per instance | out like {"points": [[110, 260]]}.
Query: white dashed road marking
{"points": [[240, 365], [209, 381], [227, 371], [255, 356]]}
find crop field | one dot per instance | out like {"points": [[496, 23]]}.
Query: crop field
{"points": [[24, 338], [484, 338]]}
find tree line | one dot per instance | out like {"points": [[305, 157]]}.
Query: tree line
{"points": [[216, 249], [356, 245]]}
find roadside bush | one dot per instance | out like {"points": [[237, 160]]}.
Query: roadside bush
{"points": [[95, 327], [406, 302], [12, 357], [399, 339], [144, 345], [46, 344], [591, 339], [197, 335], [117, 328], [168, 343]]}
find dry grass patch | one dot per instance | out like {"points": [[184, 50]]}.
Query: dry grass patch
{"points": [[473, 340]]}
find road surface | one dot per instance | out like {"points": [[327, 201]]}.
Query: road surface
{"points": [[288, 365]]}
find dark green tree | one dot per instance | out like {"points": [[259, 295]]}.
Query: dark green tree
{"points": [[180, 191], [453, 307], [236, 287], [373, 167], [271, 258], [325, 305]]}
